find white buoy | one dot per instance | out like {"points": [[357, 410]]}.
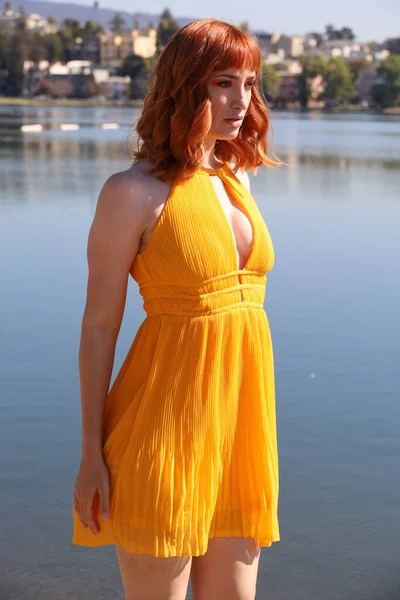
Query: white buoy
{"points": [[109, 126], [69, 126], [32, 127]]}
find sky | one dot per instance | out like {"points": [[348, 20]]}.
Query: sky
{"points": [[369, 19]]}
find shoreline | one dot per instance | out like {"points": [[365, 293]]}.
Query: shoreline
{"points": [[4, 101]]}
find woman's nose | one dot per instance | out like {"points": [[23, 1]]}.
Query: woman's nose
{"points": [[240, 100]]}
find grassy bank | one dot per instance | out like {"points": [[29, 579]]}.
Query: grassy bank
{"points": [[70, 102], [395, 110]]}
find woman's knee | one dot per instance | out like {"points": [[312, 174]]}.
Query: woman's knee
{"points": [[228, 570], [147, 577]]}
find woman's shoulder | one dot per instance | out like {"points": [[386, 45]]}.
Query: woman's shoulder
{"points": [[134, 184]]}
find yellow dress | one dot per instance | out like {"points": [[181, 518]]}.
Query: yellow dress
{"points": [[189, 425]]}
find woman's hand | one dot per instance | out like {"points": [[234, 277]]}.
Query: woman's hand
{"points": [[93, 477]]}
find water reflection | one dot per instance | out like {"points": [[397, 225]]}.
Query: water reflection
{"points": [[332, 300]]}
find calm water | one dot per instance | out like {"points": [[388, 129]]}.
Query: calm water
{"points": [[332, 301]]}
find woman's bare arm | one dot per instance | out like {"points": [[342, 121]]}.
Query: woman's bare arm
{"points": [[112, 246]]}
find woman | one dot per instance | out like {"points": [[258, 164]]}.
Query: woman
{"points": [[179, 461]]}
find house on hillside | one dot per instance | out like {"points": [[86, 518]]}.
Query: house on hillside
{"points": [[115, 46]]}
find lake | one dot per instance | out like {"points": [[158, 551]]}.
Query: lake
{"points": [[332, 300]]}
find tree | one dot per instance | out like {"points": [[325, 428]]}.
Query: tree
{"points": [[166, 29], [52, 20], [311, 67], [347, 34], [54, 47], [90, 29], [244, 25], [330, 32], [393, 45], [339, 81], [270, 81], [338, 34], [71, 28], [7, 6], [356, 65], [388, 93], [37, 48], [18, 54], [135, 67], [316, 36], [117, 22]]}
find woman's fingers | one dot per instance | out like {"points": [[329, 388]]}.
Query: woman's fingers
{"points": [[92, 489], [104, 493], [89, 512], [78, 507]]}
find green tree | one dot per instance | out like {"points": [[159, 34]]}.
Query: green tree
{"points": [[4, 56], [90, 29], [166, 29], [393, 45], [388, 93], [311, 67], [7, 6], [244, 25], [54, 47], [135, 66], [356, 65], [339, 81], [37, 48], [346, 33], [317, 36], [270, 82], [52, 20], [18, 54], [71, 28], [117, 22]]}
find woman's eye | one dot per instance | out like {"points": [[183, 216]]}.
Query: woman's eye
{"points": [[228, 83]]}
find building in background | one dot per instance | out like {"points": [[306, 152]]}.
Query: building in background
{"points": [[115, 46], [35, 22], [291, 45], [85, 49], [278, 44]]}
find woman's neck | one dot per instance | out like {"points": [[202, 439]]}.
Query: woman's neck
{"points": [[209, 159]]}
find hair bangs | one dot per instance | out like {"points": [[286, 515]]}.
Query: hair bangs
{"points": [[238, 51]]}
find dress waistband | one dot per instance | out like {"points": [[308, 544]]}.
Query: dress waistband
{"points": [[222, 293]]}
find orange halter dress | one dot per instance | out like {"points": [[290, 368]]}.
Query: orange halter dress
{"points": [[189, 424]]}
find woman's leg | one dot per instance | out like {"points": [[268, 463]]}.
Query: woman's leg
{"points": [[146, 577], [228, 570]]}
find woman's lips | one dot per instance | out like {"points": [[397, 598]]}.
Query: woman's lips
{"points": [[233, 122]]}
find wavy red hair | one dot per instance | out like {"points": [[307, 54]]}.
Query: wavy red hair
{"points": [[176, 114]]}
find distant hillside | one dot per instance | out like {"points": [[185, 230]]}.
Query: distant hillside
{"points": [[61, 11]]}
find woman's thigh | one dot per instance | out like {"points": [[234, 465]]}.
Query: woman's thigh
{"points": [[228, 570], [146, 577]]}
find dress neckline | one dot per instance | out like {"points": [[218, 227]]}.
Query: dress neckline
{"points": [[213, 171]]}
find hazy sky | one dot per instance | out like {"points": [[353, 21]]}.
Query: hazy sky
{"points": [[370, 19]]}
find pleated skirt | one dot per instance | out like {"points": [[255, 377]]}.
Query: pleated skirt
{"points": [[190, 437]]}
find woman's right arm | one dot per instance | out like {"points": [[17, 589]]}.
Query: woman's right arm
{"points": [[113, 242]]}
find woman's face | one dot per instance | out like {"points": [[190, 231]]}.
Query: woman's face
{"points": [[230, 94]]}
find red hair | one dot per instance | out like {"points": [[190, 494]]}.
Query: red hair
{"points": [[176, 115]]}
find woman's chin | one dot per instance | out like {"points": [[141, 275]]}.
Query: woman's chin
{"points": [[227, 135]]}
